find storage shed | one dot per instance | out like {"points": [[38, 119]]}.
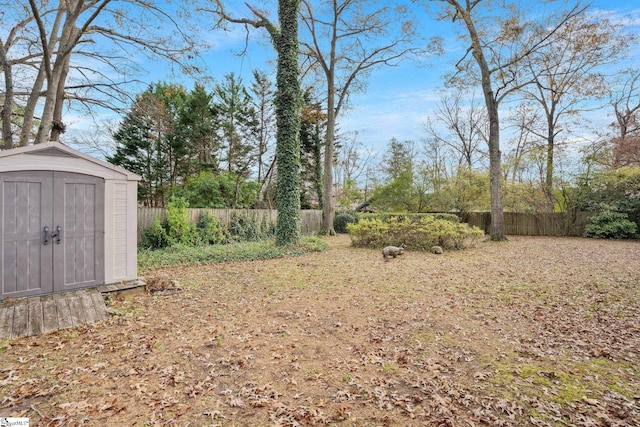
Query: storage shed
{"points": [[67, 221]]}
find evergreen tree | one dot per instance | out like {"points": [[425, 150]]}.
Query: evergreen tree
{"points": [[196, 128], [262, 89], [238, 127], [312, 127], [147, 145], [237, 124]]}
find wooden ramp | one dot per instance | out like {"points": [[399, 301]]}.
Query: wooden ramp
{"points": [[26, 317]]}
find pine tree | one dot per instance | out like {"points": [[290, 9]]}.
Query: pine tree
{"points": [[147, 145], [196, 128]]}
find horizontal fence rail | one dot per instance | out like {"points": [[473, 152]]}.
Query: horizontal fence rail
{"points": [[518, 224]]}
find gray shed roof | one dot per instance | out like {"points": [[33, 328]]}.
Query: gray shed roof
{"points": [[57, 156]]}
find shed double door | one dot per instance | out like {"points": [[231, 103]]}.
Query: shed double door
{"points": [[51, 232]]}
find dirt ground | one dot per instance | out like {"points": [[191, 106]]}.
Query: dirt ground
{"points": [[533, 331]]}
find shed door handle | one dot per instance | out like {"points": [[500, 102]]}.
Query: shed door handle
{"points": [[58, 234], [46, 235]]}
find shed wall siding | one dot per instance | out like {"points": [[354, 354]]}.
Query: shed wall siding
{"points": [[118, 259], [120, 231], [132, 230]]}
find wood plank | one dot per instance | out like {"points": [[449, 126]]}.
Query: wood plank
{"points": [[20, 319], [35, 317], [50, 314], [76, 309], [64, 313], [6, 321]]}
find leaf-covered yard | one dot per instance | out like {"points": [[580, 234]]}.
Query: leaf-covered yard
{"points": [[533, 331]]}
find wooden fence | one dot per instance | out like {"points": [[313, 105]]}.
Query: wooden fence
{"points": [[311, 220], [522, 224], [538, 224]]}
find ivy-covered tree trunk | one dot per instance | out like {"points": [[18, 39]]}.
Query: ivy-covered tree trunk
{"points": [[288, 110]]}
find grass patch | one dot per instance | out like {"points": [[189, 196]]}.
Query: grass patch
{"points": [[565, 383], [245, 251]]}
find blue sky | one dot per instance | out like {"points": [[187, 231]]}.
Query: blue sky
{"points": [[398, 100]]}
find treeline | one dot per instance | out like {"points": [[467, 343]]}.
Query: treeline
{"points": [[214, 148], [432, 178]]}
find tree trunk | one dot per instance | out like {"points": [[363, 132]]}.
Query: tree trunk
{"points": [[34, 96], [548, 184], [317, 167], [30, 108], [56, 79], [7, 107], [46, 121], [288, 110], [495, 172], [58, 126], [327, 192]]}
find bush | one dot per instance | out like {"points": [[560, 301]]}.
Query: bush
{"points": [[267, 228], [614, 190], [180, 229], [610, 225], [418, 234], [243, 228], [385, 216], [341, 221], [177, 229], [210, 230], [154, 237]]}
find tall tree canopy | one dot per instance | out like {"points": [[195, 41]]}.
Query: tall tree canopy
{"points": [[498, 42], [81, 51], [344, 41], [284, 38]]}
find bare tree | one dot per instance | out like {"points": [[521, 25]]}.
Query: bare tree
{"points": [[71, 50], [466, 127], [624, 97], [498, 43], [522, 119], [565, 75], [352, 160], [346, 40], [99, 141], [21, 19]]}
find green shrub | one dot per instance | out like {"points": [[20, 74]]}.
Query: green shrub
{"points": [[180, 229], [154, 237], [244, 228], [610, 225], [385, 216], [267, 228], [176, 229], [341, 220], [613, 190], [210, 230], [418, 233]]}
